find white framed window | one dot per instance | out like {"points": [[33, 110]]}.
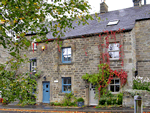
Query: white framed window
{"points": [[34, 46], [33, 65], [113, 51], [114, 85]]}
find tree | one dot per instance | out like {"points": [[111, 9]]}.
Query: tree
{"points": [[22, 16]]}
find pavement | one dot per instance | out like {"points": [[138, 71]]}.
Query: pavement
{"points": [[89, 109]]}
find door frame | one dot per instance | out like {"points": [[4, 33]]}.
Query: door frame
{"points": [[43, 92]]}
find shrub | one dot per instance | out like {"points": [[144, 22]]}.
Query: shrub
{"points": [[120, 98], [140, 84], [80, 99], [69, 99], [110, 99], [57, 104], [51, 103], [102, 101]]}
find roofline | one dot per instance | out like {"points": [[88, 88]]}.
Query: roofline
{"points": [[85, 36], [142, 19]]}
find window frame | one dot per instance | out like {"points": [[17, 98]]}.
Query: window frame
{"points": [[33, 65], [115, 92], [62, 58], [114, 51], [113, 22], [35, 46], [65, 85]]}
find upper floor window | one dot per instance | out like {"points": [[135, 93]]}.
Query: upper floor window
{"points": [[34, 46], [114, 86], [66, 84], [66, 55], [33, 65], [113, 50]]}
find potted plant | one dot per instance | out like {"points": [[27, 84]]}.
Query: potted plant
{"points": [[80, 102]]}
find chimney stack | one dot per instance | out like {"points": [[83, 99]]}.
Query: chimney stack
{"points": [[103, 7], [137, 3]]}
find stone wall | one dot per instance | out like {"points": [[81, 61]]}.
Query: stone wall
{"points": [[142, 34], [50, 65], [4, 55], [128, 97]]}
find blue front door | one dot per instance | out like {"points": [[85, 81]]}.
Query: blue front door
{"points": [[46, 92]]}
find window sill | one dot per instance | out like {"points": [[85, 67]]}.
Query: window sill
{"points": [[114, 59], [33, 49], [71, 63], [115, 92]]}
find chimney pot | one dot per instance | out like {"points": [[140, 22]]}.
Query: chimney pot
{"points": [[137, 3]]}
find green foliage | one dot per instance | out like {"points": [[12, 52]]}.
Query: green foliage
{"points": [[69, 100], [52, 103], [110, 99], [57, 104], [21, 17], [80, 99], [120, 98], [19, 86], [101, 79], [137, 84]]}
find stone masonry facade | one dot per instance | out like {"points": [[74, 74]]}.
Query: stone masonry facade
{"points": [[142, 34], [50, 64], [136, 47]]}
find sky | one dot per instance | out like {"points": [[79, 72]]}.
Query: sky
{"points": [[112, 4]]}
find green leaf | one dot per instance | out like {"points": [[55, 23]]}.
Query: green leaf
{"points": [[38, 40], [13, 53], [27, 43]]}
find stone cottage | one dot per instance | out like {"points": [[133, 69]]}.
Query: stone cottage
{"points": [[61, 72]]}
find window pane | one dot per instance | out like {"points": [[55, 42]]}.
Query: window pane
{"points": [[69, 88], [69, 50], [113, 46], [65, 58], [35, 64], [34, 45], [112, 88], [65, 51], [69, 57], [111, 54], [112, 82], [114, 54], [116, 81], [110, 47], [65, 81], [116, 46], [69, 80], [65, 88], [117, 88]]}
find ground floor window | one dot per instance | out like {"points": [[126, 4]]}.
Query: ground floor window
{"points": [[114, 86], [66, 84], [33, 65]]}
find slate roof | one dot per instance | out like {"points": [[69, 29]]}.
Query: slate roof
{"points": [[126, 16]]}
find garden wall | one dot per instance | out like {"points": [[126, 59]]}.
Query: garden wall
{"points": [[128, 97]]}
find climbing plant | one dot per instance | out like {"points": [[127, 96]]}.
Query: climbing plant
{"points": [[105, 74]]}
